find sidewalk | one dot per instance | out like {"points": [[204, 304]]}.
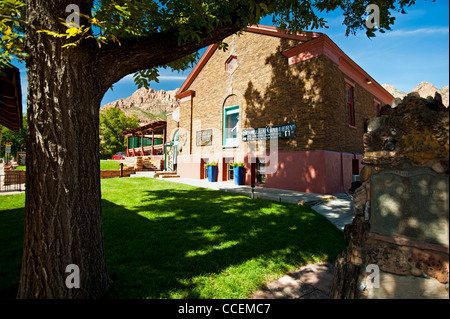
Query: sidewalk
{"points": [[337, 208]]}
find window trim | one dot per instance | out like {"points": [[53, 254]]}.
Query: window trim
{"points": [[229, 168], [227, 63], [377, 105], [235, 141]]}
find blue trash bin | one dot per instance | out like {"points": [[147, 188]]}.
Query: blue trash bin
{"points": [[238, 174], [212, 173]]}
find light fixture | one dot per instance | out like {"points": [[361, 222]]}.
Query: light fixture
{"points": [[369, 81]]}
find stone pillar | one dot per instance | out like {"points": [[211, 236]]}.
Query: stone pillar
{"points": [[401, 209]]}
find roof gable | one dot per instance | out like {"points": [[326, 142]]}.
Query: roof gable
{"points": [[259, 29], [313, 44]]}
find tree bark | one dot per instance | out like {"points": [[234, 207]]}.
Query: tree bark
{"points": [[346, 277], [63, 222]]}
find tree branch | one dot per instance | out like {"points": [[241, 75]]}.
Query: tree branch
{"points": [[135, 54], [15, 19]]}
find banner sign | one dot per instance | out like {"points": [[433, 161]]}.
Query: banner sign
{"points": [[269, 132]]}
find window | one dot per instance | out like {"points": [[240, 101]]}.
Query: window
{"points": [[231, 64], [376, 104], [260, 170], [229, 168], [350, 104], [204, 168], [230, 173], [355, 166], [231, 126]]}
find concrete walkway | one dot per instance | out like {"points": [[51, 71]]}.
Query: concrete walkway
{"points": [[337, 208], [311, 281]]}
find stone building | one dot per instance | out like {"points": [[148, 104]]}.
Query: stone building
{"points": [[291, 107]]}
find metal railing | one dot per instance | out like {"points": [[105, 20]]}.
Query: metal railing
{"points": [[11, 183]]}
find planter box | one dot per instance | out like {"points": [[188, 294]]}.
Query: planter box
{"points": [[212, 173], [238, 172]]}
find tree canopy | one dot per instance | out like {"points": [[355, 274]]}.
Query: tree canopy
{"points": [[18, 139], [112, 123], [112, 22]]}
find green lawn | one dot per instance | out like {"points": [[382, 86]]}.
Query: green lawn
{"points": [[169, 240], [109, 165]]}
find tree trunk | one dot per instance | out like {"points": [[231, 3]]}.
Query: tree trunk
{"points": [[346, 277], [63, 222]]}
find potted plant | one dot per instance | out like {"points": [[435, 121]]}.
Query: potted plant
{"points": [[238, 172], [212, 171]]}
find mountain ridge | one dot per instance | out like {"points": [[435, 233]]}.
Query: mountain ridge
{"points": [[424, 89], [150, 105], [147, 104]]}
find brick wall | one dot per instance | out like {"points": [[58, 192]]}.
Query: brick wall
{"points": [[270, 92], [339, 135], [127, 171], [172, 126], [185, 128]]}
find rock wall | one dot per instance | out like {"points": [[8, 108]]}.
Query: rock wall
{"points": [[401, 208]]}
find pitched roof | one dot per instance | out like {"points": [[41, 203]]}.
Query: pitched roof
{"points": [[313, 44], [10, 99], [156, 126]]}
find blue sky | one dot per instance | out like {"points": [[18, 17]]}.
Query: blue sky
{"points": [[416, 50]]}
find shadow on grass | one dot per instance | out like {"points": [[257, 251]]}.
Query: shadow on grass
{"points": [[177, 242], [190, 243], [11, 244]]}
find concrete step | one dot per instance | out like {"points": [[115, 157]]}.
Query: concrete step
{"points": [[161, 174], [144, 174]]}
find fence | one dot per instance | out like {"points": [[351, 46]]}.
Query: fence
{"points": [[11, 183]]}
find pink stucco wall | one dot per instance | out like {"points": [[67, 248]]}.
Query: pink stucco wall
{"points": [[301, 171], [188, 167], [322, 172]]}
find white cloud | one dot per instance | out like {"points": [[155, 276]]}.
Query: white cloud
{"points": [[129, 78], [419, 32]]}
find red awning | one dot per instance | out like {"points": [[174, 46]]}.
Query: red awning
{"points": [[10, 99]]}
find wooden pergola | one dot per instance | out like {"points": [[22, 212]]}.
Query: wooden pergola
{"points": [[146, 131], [10, 99]]}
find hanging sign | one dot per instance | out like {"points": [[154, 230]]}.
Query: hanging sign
{"points": [[21, 158], [269, 132], [8, 148], [204, 138]]}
